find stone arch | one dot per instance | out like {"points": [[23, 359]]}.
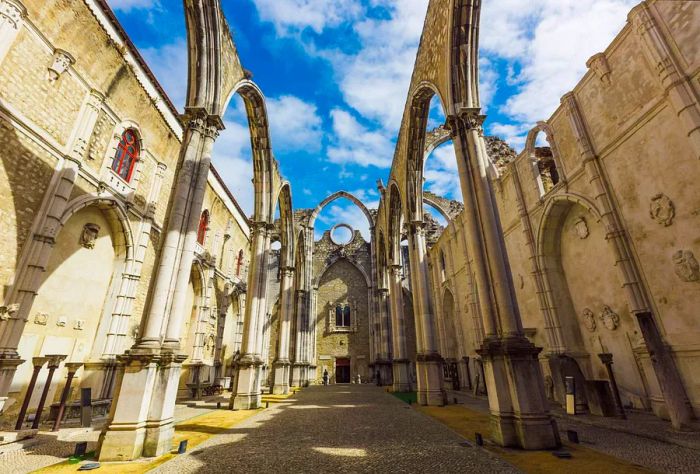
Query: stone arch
{"points": [[415, 157], [284, 200], [117, 216], [530, 152], [335, 196], [395, 221], [562, 334], [328, 265], [450, 323], [435, 205]]}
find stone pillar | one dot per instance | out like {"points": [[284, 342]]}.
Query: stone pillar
{"points": [[246, 394], [119, 323], [38, 363], [282, 364], [12, 16], [517, 402], [402, 379], [677, 84], [37, 251], [299, 346], [140, 423], [72, 368], [428, 360], [670, 382]]}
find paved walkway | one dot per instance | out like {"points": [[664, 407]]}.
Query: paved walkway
{"points": [[340, 428]]}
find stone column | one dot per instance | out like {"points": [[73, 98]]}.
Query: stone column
{"points": [[670, 382], [246, 394], [402, 379], [142, 424], [677, 84], [54, 363], [282, 364], [428, 360], [517, 402], [12, 16], [72, 369], [38, 363], [301, 351], [37, 251]]}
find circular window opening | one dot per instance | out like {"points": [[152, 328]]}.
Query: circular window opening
{"points": [[341, 234]]}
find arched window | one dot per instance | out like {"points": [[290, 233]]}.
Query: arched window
{"points": [[128, 151], [443, 266], [239, 263], [203, 226], [338, 316], [346, 316]]}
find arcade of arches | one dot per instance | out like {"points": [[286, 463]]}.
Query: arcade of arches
{"points": [[129, 267]]}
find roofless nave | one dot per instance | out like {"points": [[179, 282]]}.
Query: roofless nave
{"points": [[130, 265]]}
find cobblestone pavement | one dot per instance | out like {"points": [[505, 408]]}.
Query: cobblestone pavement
{"points": [[47, 448], [640, 449], [340, 428]]}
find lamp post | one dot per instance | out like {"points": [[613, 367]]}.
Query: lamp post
{"points": [[72, 369], [38, 363], [54, 362]]}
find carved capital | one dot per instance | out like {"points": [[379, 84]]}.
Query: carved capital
{"points": [[60, 63], [472, 118], [197, 118], [12, 12], [599, 64]]}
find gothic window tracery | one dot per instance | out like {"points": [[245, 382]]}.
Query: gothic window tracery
{"points": [[127, 154]]}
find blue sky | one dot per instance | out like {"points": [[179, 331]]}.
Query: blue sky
{"points": [[336, 72]]}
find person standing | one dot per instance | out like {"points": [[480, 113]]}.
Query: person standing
{"points": [[325, 377]]}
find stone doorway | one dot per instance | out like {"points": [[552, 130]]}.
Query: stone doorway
{"points": [[342, 371]]}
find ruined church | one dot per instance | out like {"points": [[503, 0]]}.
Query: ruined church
{"points": [[130, 272]]}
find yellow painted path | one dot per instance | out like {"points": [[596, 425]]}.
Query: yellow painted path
{"points": [[584, 460], [195, 430]]}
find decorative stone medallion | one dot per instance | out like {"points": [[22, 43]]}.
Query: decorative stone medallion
{"points": [[610, 318], [41, 319], [79, 324], [61, 321], [661, 209], [589, 319], [581, 228], [686, 266], [89, 235]]}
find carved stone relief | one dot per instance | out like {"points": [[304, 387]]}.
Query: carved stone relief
{"points": [[89, 235], [79, 324], [60, 63], [610, 318], [661, 209], [61, 321], [686, 266], [589, 319], [7, 312], [41, 319], [581, 228]]}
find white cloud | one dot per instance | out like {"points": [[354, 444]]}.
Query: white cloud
{"points": [[441, 174], [232, 156], [128, 5], [290, 16], [356, 144], [295, 124], [169, 64], [547, 45], [513, 133]]}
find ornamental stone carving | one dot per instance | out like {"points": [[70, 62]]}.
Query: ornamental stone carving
{"points": [[89, 235], [686, 266], [79, 324], [588, 319], [62, 60], [6, 312], [599, 64], [610, 318], [661, 209], [581, 228], [61, 321], [41, 319], [12, 12]]}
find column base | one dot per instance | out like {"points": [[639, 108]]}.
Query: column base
{"points": [[124, 437], [246, 395], [160, 426], [431, 390], [519, 413], [280, 385], [300, 374], [8, 367], [401, 379]]}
